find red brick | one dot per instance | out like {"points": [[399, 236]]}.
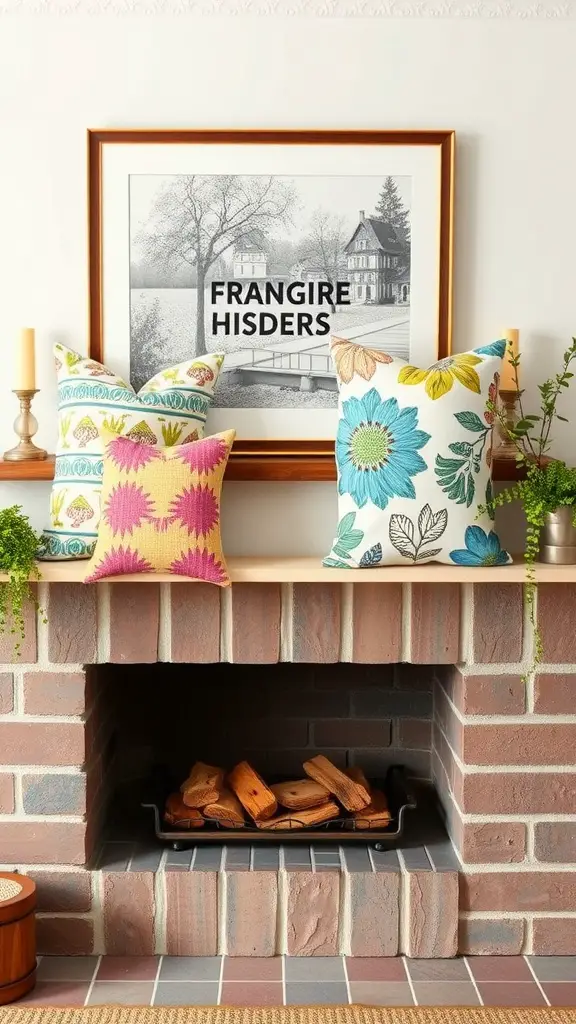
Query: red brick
{"points": [[554, 936], [555, 841], [42, 842], [485, 695], [497, 623], [6, 793], [377, 623], [72, 622], [134, 622], [251, 913], [42, 743], [6, 693], [556, 617], [352, 732], [432, 911], [413, 733], [316, 622], [256, 623], [498, 843], [518, 891], [555, 694], [64, 936], [67, 892], [28, 652], [129, 911], [191, 913], [374, 913], [482, 937], [54, 693], [517, 793], [195, 623], [519, 744], [435, 623], [313, 913]]}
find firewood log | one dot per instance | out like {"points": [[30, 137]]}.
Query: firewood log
{"points": [[252, 792], [357, 775], [176, 813], [351, 795], [299, 795], [227, 809], [203, 785], [301, 819], [376, 815]]}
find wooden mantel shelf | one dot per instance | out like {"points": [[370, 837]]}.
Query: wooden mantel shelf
{"points": [[311, 570]]}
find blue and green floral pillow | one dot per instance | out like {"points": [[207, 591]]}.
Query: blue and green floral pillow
{"points": [[414, 452]]}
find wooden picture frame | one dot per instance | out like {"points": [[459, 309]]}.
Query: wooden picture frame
{"points": [[276, 458]]}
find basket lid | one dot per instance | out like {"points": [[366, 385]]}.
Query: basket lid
{"points": [[9, 888]]}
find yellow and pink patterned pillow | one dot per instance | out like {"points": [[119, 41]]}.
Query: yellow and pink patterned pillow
{"points": [[161, 509]]}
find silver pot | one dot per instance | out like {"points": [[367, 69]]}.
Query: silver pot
{"points": [[558, 538]]}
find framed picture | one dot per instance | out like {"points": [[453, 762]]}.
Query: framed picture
{"points": [[261, 245]]}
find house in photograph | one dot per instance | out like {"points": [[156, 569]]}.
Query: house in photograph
{"points": [[376, 259], [250, 257]]}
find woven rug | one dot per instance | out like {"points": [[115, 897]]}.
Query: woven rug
{"points": [[286, 1015]]}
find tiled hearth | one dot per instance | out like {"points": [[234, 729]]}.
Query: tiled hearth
{"points": [[502, 756]]}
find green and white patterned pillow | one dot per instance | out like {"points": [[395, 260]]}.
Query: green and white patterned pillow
{"points": [[169, 410], [413, 451]]}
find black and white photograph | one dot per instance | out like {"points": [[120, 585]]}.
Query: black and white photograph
{"points": [[265, 268]]}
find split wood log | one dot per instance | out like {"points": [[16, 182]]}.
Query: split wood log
{"points": [[299, 795], [252, 792], [376, 815], [203, 785], [227, 809], [177, 813], [352, 795], [301, 819], [357, 775]]}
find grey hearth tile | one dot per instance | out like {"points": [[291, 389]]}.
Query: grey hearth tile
{"points": [[186, 993], [266, 858], [314, 969], [115, 856], [329, 849], [554, 968], [296, 855], [190, 968], [442, 855], [357, 858], [416, 859], [238, 858], [385, 860], [124, 993], [146, 858], [207, 858], [179, 860], [314, 993]]}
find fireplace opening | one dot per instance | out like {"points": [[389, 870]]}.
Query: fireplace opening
{"points": [[368, 726]]}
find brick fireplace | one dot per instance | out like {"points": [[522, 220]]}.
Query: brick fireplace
{"points": [[429, 674]]}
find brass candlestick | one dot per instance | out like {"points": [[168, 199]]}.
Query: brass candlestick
{"points": [[25, 426], [507, 449]]}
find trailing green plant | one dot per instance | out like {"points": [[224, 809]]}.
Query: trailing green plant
{"points": [[18, 549], [548, 483]]}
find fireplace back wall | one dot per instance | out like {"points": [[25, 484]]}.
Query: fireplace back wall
{"points": [[273, 716]]}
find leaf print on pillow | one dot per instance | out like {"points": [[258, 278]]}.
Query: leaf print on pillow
{"points": [[351, 358], [440, 376], [431, 526], [497, 348], [347, 538], [456, 476], [371, 557]]}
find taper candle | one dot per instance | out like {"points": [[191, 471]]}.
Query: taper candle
{"points": [[26, 361], [507, 380]]}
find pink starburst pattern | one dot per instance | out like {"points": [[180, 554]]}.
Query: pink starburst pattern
{"points": [[128, 506], [119, 561], [203, 456], [128, 454], [197, 509], [200, 565]]}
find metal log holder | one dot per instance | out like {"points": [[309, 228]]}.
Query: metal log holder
{"points": [[396, 786]]}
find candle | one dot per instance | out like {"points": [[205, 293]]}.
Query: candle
{"points": [[26, 361], [507, 380]]}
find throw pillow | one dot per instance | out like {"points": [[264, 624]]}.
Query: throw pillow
{"points": [[170, 409], [413, 451], [161, 509]]}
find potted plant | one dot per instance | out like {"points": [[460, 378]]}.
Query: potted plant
{"points": [[548, 490], [19, 545]]}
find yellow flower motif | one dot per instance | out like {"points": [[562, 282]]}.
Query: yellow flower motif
{"points": [[351, 358], [440, 376]]}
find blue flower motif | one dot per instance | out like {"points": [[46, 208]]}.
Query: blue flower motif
{"points": [[481, 549], [377, 450], [497, 348]]}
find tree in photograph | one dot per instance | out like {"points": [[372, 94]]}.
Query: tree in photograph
{"points": [[322, 250], [148, 340], [196, 218], [391, 209]]}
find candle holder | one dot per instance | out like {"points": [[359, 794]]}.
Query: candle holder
{"points": [[506, 448], [25, 426]]}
